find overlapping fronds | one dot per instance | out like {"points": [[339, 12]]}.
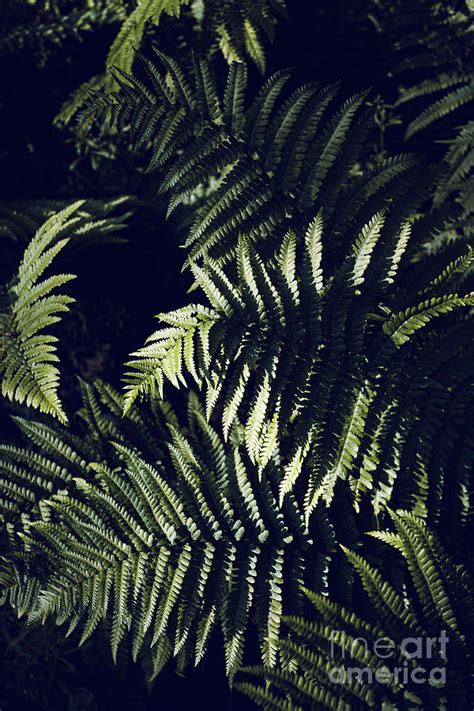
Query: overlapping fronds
{"points": [[167, 547], [238, 28], [30, 304], [333, 359], [276, 161], [314, 329], [28, 476], [122, 51], [430, 56], [341, 661], [332, 350], [129, 38]]}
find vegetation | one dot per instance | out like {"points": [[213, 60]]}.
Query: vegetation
{"points": [[443, 592], [308, 243]]}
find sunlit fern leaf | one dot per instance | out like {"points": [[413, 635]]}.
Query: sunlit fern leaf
{"points": [[253, 46], [285, 348], [241, 28], [32, 304], [403, 325]]}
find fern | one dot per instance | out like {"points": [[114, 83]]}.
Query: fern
{"points": [[276, 162], [123, 48], [121, 53], [289, 350], [458, 177], [44, 29], [430, 56], [319, 655], [167, 548], [331, 343], [298, 346], [237, 28], [100, 221], [429, 36], [31, 305], [240, 28]]}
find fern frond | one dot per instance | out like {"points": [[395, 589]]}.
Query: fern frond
{"points": [[100, 221], [327, 656], [28, 357], [165, 559], [123, 48], [282, 348], [276, 162], [458, 177], [403, 325], [453, 100]]}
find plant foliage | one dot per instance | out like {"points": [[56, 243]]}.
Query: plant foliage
{"points": [[166, 538], [309, 351], [319, 654], [327, 329], [338, 332], [433, 39], [276, 161], [432, 61], [31, 305], [31, 302], [99, 221]]}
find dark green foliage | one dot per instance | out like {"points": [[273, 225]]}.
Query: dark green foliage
{"points": [[317, 356], [237, 28], [276, 162], [327, 326], [45, 26], [320, 364], [168, 537], [433, 40], [458, 177], [432, 60], [318, 655]]}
